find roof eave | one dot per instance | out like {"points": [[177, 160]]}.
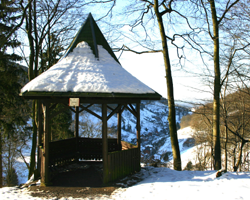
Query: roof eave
{"points": [[42, 95]]}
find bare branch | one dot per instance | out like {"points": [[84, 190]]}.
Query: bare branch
{"points": [[208, 24], [227, 9], [109, 11], [168, 9], [231, 61], [125, 48]]}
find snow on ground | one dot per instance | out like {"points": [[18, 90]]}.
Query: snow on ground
{"points": [[187, 154], [185, 133], [20, 166], [164, 183]]}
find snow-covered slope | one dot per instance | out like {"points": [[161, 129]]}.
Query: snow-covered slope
{"points": [[155, 141], [187, 147]]}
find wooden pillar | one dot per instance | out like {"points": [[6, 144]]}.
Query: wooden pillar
{"points": [[77, 132], [77, 122], [45, 175], [104, 144], [40, 123], [40, 134], [119, 129], [138, 132]]}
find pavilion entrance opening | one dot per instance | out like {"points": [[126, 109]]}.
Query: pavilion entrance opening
{"points": [[76, 137]]}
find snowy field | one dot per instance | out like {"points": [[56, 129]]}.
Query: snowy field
{"points": [[164, 183]]}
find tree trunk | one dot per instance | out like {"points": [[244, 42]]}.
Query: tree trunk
{"points": [[239, 156], [226, 135], [217, 89], [34, 140], [31, 43], [32, 74], [170, 92]]}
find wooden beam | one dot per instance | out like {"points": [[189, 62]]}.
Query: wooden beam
{"points": [[77, 122], [110, 108], [119, 128], [90, 100], [46, 176], [123, 108], [86, 107], [91, 112], [114, 111], [72, 110], [40, 123], [105, 144], [138, 127], [89, 95], [77, 131], [130, 110], [40, 135]]}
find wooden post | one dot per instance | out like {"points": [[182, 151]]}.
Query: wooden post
{"points": [[119, 129], [45, 176], [77, 132], [77, 122], [40, 134], [40, 123], [104, 144], [138, 133]]}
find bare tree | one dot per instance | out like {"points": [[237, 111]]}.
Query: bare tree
{"points": [[147, 13], [211, 16]]}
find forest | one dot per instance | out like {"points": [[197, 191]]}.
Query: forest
{"points": [[208, 39], [234, 132]]}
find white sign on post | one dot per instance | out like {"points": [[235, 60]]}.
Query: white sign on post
{"points": [[74, 102]]}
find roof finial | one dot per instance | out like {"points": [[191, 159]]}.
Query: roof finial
{"points": [[94, 36]]}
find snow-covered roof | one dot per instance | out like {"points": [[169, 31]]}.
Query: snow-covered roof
{"points": [[84, 71]]}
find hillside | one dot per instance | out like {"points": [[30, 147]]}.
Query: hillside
{"points": [[155, 139]]}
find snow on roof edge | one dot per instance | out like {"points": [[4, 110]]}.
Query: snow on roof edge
{"points": [[80, 71]]}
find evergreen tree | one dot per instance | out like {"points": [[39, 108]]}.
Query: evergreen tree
{"points": [[11, 104], [60, 125]]}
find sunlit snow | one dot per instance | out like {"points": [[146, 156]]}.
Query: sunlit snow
{"points": [[167, 184], [80, 71]]}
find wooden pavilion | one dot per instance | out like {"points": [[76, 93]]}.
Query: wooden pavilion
{"points": [[44, 88]]}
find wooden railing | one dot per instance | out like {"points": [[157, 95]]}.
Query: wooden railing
{"points": [[122, 163], [91, 148], [73, 149]]}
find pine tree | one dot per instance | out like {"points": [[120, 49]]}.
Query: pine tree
{"points": [[10, 73], [60, 124]]}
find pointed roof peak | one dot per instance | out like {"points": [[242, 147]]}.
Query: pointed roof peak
{"points": [[90, 33]]}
